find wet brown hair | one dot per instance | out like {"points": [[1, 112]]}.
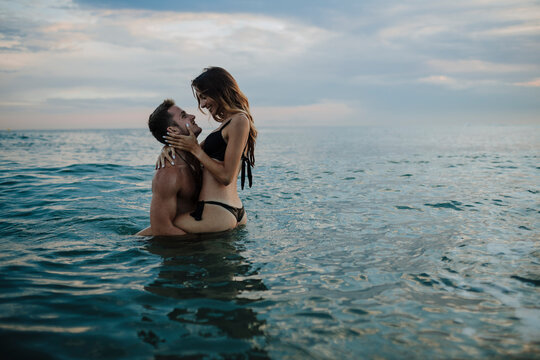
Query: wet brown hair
{"points": [[219, 85], [160, 120]]}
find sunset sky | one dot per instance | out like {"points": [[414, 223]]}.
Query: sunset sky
{"points": [[107, 64]]}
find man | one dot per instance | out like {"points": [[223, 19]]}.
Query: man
{"points": [[176, 185]]}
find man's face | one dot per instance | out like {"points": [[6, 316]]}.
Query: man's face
{"points": [[181, 118]]}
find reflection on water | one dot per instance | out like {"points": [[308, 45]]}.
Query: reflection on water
{"points": [[215, 288]]}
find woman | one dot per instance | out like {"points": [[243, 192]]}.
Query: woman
{"points": [[221, 155]]}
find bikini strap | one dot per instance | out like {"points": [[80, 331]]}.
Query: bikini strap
{"points": [[246, 163], [197, 214], [224, 125]]}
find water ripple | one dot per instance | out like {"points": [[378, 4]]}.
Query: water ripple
{"points": [[375, 245]]}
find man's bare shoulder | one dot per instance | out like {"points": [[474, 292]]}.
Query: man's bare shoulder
{"points": [[171, 177]]}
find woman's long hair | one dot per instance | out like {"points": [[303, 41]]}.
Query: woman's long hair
{"points": [[217, 84]]}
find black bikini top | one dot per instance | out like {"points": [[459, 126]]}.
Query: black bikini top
{"points": [[215, 146]]}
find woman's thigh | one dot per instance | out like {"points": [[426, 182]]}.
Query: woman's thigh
{"points": [[214, 219]]}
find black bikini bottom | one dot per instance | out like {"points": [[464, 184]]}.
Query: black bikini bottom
{"points": [[237, 212]]}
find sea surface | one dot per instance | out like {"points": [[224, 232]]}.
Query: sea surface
{"points": [[362, 243]]}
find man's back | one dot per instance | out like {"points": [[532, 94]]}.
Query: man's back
{"points": [[175, 190], [177, 177]]}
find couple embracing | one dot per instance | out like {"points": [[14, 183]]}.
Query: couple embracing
{"points": [[194, 189]]}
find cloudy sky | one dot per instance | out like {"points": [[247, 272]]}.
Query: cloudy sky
{"points": [[107, 64]]}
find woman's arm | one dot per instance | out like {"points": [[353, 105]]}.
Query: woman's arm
{"points": [[227, 171]]}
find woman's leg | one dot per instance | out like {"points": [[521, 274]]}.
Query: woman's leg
{"points": [[214, 219]]}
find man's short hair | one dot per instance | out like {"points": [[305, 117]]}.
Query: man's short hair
{"points": [[161, 119]]}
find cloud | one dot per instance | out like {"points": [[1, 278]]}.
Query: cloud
{"points": [[324, 113], [477, 66], [137, 53], [58, 56], [458, 83], [531, 83], [443, 80], [521, 29]]}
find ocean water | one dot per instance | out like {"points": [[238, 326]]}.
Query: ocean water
{"points": [[363, 243]]}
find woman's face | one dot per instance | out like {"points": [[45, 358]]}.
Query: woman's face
{"points": [[207, 103]]}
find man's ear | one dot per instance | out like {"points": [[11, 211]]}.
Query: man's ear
{"points": [[173, 129]]}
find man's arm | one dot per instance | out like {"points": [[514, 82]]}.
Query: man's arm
{"points": [[165, 187], [145, 232]]}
